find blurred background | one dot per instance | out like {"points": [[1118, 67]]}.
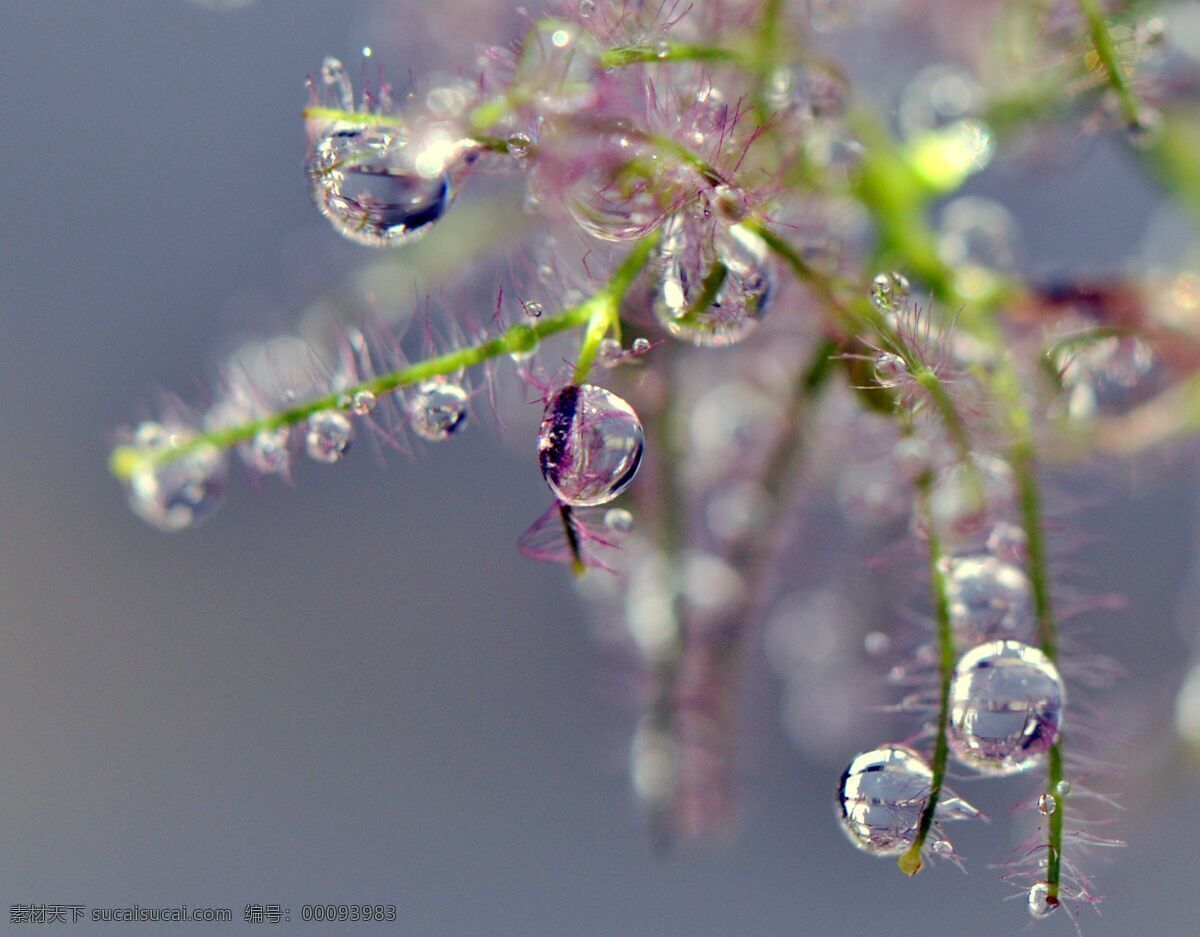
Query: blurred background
{"points": [[354, 689]]}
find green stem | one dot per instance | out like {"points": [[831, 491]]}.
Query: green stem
{"points": [[667, 52], [910, 861], [1106, 51], [125, 460]]}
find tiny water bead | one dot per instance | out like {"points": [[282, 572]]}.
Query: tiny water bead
{"points": [[174, 492], [1006, 707], [890, 369], [362, 403], [640, 346], [438, 409], [618, 521], [589, 445], [715, 284], [374, 187], [1047, 805], [518, 144], [1040, 905], [328, 436], [268, 453], [988, 598], [533, 309], [889, 291]]}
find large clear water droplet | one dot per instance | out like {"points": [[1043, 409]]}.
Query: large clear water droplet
{"points": [[173, 493], [374, 187], [590, 444], [1006, 707], [881, 797], [438, 409], [328, 436], [1040, 905], [715, 283], [988, 599]]}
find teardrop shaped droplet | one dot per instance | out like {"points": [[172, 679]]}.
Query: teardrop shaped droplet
{"points": [[590, 444], [715, 284], [328, 436], [1006, 707], [881, 797], [173, 492], [374, 188], [438, 409]]}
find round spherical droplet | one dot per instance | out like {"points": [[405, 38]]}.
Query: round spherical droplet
{"points": [[618, 521], [590, 444], [172, 492], [968, 499], [1047, 805], [328, 436], [988, 599], [881, 798], [438, 409], [586, 8], [876, 643], [640, 346], [533, 309], [268, 451], [889, 290], [1062, 788], [890, 369], [1006, 707], [1008, 542], [362, 402], [1040, 905], [714, 288], [374, 188], [518, 144]]}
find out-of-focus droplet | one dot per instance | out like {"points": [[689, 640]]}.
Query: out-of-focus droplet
{"points": [[589, 445], [714, 286], [1040, 905], [328, 436], [988, 599], [876, 643], [1008, 543], [729, 203], [376, 186], [618, 192], [939, 96], [610, 352], [968, 499], [586, 8], [1006, 707], [558, 65], [1062, 788], [618, 521], [518, 144], [978, 238], [438, 409], [889, 291], [268, 453], [943, 847], [881, 797], [173, 492], [333, 74], [362, 402]]}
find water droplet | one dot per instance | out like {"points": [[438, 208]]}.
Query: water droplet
{"points": [[362, 402], [375, 188], [519, 144], [943, 847], [967, 500], [1040, 905], [268, 451], [978, 237], [729, 203], [328, 436], [1047, 805], [610, 352], [333, 73], [881, 797], [890, 369], [1006, 706], [912, 456], [618, 521], [1008, 543], [1062, 788], [172, 493], [662, 49], [438, 409], [589, 445], [586, 8], [619, 190], [889, 291], [715, 285], [988, 599], [876, 643], [533, 309], [640, 346], [558, 65]]}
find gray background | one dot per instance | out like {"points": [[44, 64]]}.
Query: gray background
{"points": [[354, 690]]}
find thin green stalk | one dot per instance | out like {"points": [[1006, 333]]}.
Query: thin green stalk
{"points": [[1106, 51], [910, 861], [668, 52], [125, 460]]}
